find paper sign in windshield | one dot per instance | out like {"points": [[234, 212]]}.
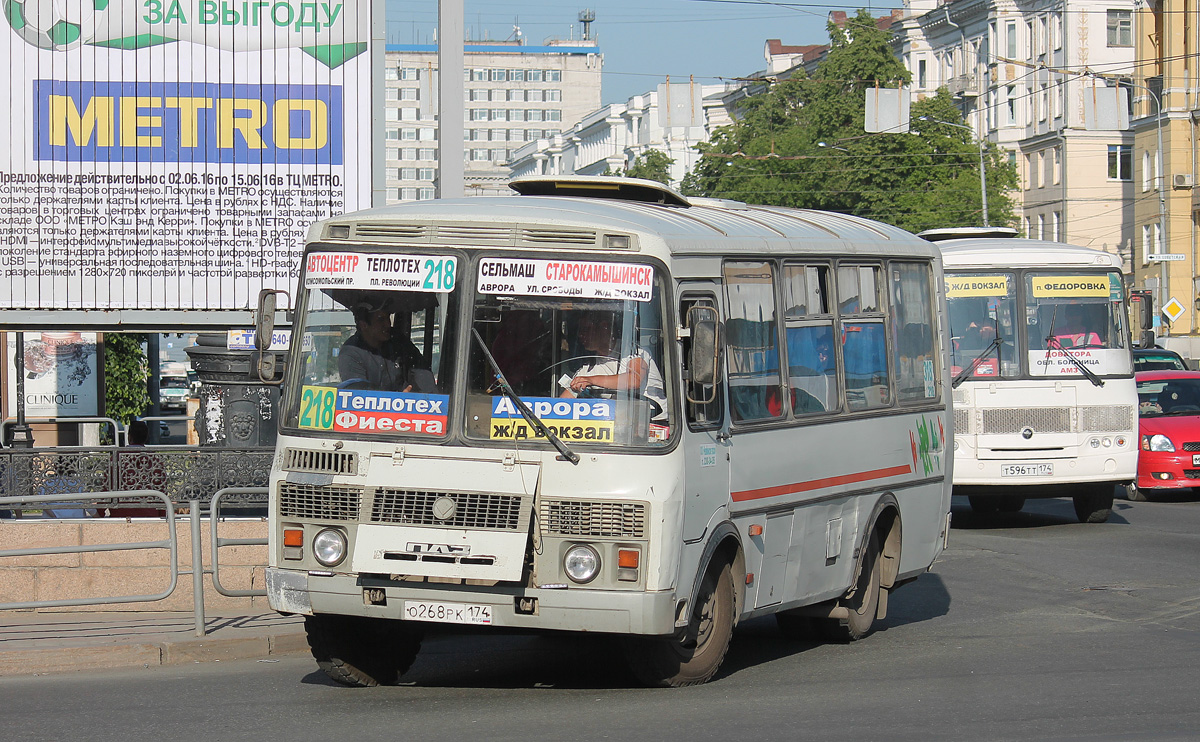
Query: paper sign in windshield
{"points": [[1100, 361], [360, 411], [1060, 286], [353, 270], [571, 278], [588, 420], [957, 286]]}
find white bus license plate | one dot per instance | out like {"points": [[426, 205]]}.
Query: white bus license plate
{"points": [[420, 610], [1027, 470]]}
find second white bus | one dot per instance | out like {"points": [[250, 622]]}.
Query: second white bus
{"points": [[1044, 399]]}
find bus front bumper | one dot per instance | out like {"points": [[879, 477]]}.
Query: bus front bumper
{"points": [[570, 609]]}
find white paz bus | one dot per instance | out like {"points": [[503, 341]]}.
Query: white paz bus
{"points": [[598, 406], [1044, 399]]}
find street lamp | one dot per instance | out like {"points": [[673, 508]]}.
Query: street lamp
{"points": [[982, 168], [830, 146]]}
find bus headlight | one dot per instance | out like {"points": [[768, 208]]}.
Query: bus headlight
{"points": [[1157, 442], [329, 547], [581, 563]]}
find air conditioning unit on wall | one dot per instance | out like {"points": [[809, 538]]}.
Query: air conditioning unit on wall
{"points": [[1183, 180]]}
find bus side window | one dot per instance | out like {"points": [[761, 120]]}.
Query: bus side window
{"points": [[701, 415], [917, 362], [811, 358], [752, 341], [864, 340]]}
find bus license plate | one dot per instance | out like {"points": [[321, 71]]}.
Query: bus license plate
{"points": [[1027, 470], [421, 610]]}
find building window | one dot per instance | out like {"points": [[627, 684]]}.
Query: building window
{"points": [[499, 75], [1010, 106], [393, 173], [1120, 162], [533, 76], [391, 73], [1030, 43], [393, 133], [478, 75], [1010, 34], [427, 153], [410, 73], [517, 96], [516, 75], [428, 134], [1056, 224], [410, 94], [1041, 226], [479, 114], [408, 135], [1056, 31], [499, 135], [408, 173], [921, 73], [425, 194], [408, 194], [1056, 165], [425, 173], [410, 114], [553, 76], [516, 114], [553, 96], [533, 114], [479, 155], [1120, 28], [392, 94], [410, 153], [534, 96], [499, 114], [1029, 177]]}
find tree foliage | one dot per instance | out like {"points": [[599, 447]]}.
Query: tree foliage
{"points": [[650, 165], [802, 144], [126, 370]]}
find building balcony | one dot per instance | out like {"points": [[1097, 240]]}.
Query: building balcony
{"points": [[964, 85]]}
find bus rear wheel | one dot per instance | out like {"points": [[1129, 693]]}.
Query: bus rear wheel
{"points": [[362, 652], [694, 656], [1094, 506], [862, 603]]}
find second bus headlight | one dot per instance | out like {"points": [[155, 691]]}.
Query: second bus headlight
{"points": [[581, 563], [329, 547]]}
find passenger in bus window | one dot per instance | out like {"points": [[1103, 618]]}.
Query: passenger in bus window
{"points": [[599, 333], [522, 350], [375, 357], [1073, 328]]}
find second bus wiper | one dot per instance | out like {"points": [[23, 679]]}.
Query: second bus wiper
{"points": [[1087, 372], [523, 408], [970, 367]]}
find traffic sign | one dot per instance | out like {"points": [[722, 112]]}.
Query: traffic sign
{"points": [[1174, 309], [1165, 257]]}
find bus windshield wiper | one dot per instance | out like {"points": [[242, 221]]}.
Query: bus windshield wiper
{"points": [[523, 408], [970, 367], [1053, 344]]}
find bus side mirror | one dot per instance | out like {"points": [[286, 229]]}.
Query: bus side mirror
{"points": [[264, 329], [705, 348], [1142, 302]]}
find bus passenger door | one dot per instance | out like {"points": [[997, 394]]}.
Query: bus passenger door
{"points": [[706, 433]]}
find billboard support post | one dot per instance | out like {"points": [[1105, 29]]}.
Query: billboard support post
{"points": [[450, 99], [21, 434]]}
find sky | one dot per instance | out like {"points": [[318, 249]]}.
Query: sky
{"points": [[642, 41]]}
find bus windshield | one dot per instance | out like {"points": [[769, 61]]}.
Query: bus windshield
{"points": [[982, 328], [587, 358], [1076, 314], [581, 343]]}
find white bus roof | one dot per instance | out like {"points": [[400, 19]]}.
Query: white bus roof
{"points": [[685, 225], [1005, 252]]}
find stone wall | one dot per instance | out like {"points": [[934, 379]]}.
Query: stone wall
{"points": [[136, 572]]}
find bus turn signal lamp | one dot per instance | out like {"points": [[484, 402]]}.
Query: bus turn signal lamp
{"points": [[293, 543], [627, 564]]}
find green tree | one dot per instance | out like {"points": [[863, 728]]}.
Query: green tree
{"points": [[650, 165], [126, 370], [802, 144]]}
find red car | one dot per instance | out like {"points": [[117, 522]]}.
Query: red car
{"points": [[1168, 432]]}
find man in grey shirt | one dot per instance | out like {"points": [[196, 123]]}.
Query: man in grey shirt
{"points": [[374, 357]]}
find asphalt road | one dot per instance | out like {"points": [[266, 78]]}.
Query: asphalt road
{"points": [[1030, 627]]}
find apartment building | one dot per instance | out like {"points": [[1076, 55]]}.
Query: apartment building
{"points": [[1166, 200], [1015, 71], [513, 94]]}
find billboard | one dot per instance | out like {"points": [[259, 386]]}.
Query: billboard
{"points": [[171, 154], [60, 374]]}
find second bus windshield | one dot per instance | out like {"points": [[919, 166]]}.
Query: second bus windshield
{"points": [[1008, 324]]}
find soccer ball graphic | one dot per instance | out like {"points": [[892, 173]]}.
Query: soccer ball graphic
{"points": [[55, 24]]}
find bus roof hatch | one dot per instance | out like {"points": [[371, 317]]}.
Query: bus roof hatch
{"points": [[595, 186]]}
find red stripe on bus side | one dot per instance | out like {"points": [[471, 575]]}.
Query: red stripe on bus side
{"points": [[816, 484]]}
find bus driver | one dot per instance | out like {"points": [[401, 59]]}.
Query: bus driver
{"points": [[599, 334], [375, 357]]}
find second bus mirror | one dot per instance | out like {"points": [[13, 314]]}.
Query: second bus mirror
{"points": [[702, 360], [264, 325]]}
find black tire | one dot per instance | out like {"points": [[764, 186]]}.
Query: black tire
{"points": [[984, 503], [1134, 494], [862, 602], [694, 656], [362, 652], [1094, 506], [1010, 503]]}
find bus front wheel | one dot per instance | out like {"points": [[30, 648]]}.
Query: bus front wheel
{"points": [[363, 652], [1094, 506], [694, 656]]}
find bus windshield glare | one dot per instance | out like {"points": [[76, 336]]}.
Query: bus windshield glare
{"points": [[586, 358]]}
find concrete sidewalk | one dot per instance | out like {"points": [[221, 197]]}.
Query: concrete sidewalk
{"points": [[37, 643]]}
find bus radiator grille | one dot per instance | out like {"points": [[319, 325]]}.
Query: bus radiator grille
{"points": [[471, 509], [1107, 419], [996, 420], [319, 502], [321, 462], [962, 421], [593, 519]]}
